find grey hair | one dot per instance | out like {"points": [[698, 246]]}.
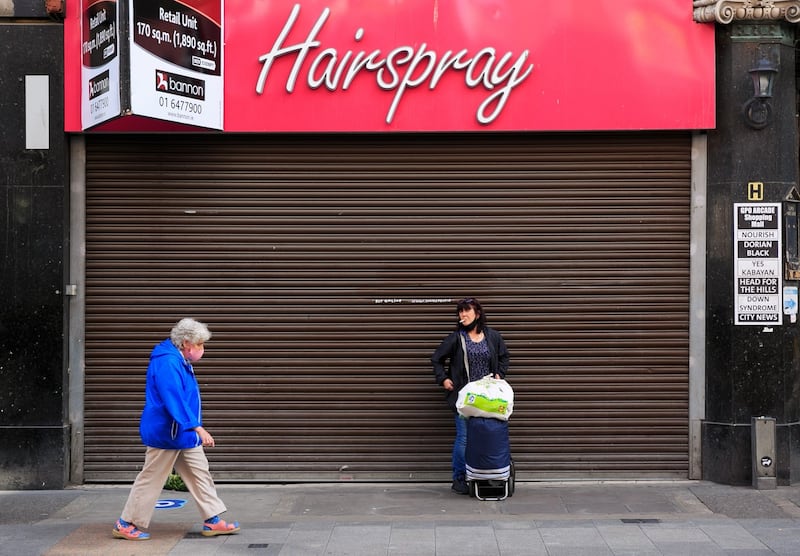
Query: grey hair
{"points": [[189, 330]]}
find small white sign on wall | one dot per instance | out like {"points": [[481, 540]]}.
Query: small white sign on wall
{"points": [[37, 112]]}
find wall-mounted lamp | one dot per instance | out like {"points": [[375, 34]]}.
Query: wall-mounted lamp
{"points": [[757, 110]]}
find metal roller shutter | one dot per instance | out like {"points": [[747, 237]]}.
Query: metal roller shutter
{"points": [[325, 266]]}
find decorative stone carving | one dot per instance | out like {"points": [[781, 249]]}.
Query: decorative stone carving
{"points": [[727, 11]]}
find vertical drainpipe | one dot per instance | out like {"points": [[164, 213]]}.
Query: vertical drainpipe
{"points": [[697, 304], [77, 303]]}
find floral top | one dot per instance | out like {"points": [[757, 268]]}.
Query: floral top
{"points": [[478, 357]]}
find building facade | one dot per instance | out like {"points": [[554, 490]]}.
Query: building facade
{"points": [[598, 227]]}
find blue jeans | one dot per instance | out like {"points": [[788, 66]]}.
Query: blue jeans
{"points": [[460, 448]]}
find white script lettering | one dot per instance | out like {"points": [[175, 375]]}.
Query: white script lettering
{"points": [[398, 70]]}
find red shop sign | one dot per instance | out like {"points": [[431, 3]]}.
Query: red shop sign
{"points": [[452, 65]]}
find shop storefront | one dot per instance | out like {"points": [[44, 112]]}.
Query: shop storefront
{"points": [[319, 182]]}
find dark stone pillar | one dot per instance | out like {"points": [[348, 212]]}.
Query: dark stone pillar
{"points": [[750, 370], [34, 432]]}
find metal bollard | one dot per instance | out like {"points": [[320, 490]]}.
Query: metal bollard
{"points": [[762, 443]]}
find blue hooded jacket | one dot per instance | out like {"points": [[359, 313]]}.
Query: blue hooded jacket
{"points": [[172, 401]]}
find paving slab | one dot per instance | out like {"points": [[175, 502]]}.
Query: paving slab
{"points": [[617, 518]]}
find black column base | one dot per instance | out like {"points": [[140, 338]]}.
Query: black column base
{"points": [[33, 458], [727, 455]]}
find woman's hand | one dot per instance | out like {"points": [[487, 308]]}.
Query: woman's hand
{"points": [[447, 384], [205, 437]]}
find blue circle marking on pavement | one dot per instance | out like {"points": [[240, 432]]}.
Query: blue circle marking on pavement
{"points": [[168, 504]]}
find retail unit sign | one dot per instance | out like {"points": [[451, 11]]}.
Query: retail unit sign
{"points": [[154, 58], [757, 260], [176, 61], [100, 62], [418, 65]]}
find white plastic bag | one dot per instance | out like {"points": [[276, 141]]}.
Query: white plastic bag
{"points": [[487, 397]]}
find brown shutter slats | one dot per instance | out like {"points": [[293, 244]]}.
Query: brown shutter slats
{"points": [[322, 265]]}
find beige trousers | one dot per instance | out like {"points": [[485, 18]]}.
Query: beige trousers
{"points": [[191, 464]]}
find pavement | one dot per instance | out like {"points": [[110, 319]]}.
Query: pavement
{"points": [[408, 519]]}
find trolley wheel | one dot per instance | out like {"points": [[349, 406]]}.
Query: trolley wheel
{"points": [[511, 480], [473, 489]]}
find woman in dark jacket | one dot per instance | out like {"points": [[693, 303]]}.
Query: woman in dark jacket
{"points": [[473, 350]]}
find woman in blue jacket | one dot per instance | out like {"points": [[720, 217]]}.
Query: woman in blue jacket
{"points": [[473, 350], [172, 429]]}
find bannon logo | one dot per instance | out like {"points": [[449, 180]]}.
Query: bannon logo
{"points": [[180, 85], [99, 84]]}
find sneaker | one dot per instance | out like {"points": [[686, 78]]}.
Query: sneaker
{"points": [[460, 486], [129, 531], [214, 526]]}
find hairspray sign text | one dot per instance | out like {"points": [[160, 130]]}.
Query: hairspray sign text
{"points": [[398, 70]]}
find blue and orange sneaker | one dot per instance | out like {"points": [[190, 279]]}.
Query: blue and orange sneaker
{"points": [[129, 531], [214, 526]]}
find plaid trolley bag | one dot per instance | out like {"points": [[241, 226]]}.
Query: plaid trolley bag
{"points": [[490, 469]]}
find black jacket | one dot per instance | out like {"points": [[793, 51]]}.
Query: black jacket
{"points": [[451, 349]]}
